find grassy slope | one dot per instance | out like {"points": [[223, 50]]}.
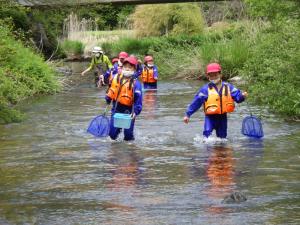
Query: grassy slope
{"points": [[23, 73]]}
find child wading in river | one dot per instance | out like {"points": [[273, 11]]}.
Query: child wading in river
{"points": [[217, 98]]}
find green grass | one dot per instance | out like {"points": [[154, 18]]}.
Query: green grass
{"points": [[23, 73], [273, 69], [186, 56], [108, 33], [72, 47]]}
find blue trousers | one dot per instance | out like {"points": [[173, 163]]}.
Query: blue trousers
{"points": [[215, 122], [150, 85], [114, 132]]}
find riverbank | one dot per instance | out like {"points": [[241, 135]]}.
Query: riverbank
{"points": [[240, 50], [23, 73]]}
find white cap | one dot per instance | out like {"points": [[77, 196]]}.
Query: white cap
{"points": [[97, 49]]}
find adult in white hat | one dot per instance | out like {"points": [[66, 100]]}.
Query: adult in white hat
{"points": [[101, 63]]}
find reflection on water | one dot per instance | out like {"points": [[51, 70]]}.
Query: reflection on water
{"points": [[53, 172], [220, 171], [125, 168], [150, 104]]}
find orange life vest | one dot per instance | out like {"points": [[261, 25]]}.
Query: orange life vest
{"points": [[148, 75], [121, 90], [216, 104]]}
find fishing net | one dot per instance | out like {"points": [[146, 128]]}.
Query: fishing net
{"points": [[99, 126], [252, 127]]}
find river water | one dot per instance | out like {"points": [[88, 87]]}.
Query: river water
{"points": [[53, 172]]}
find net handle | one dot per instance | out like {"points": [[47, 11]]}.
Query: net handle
{"points": [[105, 110], [252, 119], [248, 107]]}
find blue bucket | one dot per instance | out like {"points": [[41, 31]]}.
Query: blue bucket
{"points": [[122, 120]]}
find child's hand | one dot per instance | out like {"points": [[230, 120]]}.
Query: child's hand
{"points": [[101, 80], [186, 119], [245, 94]]}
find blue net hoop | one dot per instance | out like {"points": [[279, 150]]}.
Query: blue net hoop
{"points": [[99, 126], [252, 127]]}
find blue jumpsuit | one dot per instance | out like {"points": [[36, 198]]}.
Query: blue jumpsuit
{"points": [[152, 85], [218, 121], [137, 108]]}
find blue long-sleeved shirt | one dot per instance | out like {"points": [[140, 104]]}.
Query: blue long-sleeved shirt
{"points": [[202, 95], [114, 71], [138, 101]]}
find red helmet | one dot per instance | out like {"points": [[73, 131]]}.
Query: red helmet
{"points": [[123, 55], [114, 60], [131, 60], [213, 67], [148, 58]]}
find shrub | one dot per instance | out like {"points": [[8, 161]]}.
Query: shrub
{"points": [[231, 54], [72, 47], [22, 74], [156, 20], [273, 10], [274, 67]]}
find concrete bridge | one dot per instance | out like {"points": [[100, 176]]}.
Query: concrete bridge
{"points": [[36, 3]]}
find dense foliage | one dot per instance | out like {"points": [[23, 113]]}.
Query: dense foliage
{"points": [[45, 25], [173, 19], [274, 11], [72, 47], [274, 65], [23, 73], [273, 70]]}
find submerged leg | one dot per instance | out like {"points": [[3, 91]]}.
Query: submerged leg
{"points": [[221, 126], [113, 131], [150, 85], [208, 126], [128, 133]]}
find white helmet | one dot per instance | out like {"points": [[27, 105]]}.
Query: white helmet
{"points": [[97, 49]]}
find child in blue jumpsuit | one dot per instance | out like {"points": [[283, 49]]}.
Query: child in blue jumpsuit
{"points": [[126, 94], [218, 98], [149, 73]]}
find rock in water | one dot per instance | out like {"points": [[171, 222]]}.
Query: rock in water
{"points": [[64, 70], [237, 80], [235, 197]]}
